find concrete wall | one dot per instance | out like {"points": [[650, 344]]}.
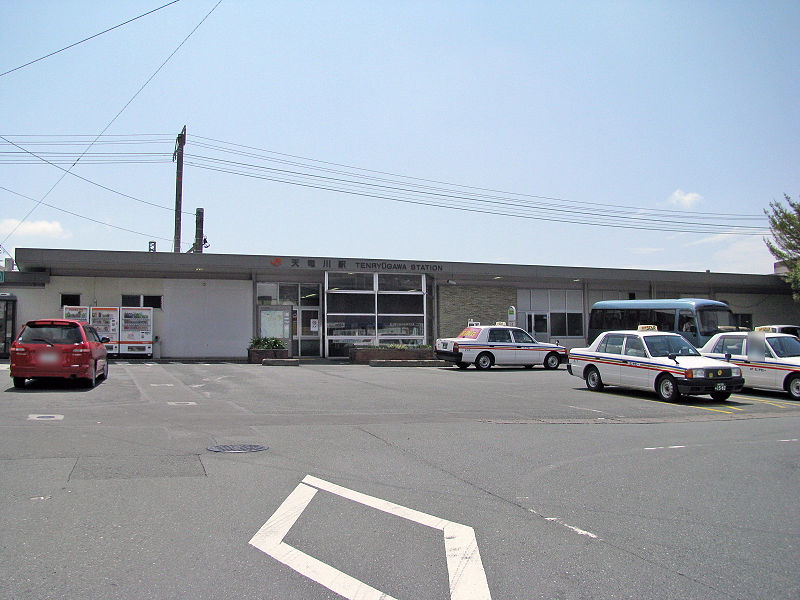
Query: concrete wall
{"points": [[212, 319], [766, 309], [460, 304]]}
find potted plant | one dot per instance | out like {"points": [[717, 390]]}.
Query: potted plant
{"points": [[266, 347]]}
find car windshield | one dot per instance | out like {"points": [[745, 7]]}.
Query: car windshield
{"points": [[50, 334], [664, 345], [785, 347], [714, 320]]}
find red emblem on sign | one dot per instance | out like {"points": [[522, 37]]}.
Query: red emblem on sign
{"points": [[276, 262]]}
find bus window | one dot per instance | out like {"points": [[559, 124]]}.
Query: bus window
{"points": [[713, 320], [663, 318], [686, 322]]}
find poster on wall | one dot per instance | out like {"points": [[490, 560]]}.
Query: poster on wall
{"points": [[136, 330], [106, 321], [78, 313]]}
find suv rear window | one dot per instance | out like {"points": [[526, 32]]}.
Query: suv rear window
{"points": [[36, 333]]}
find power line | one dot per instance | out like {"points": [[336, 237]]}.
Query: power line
{"points": [[481, 189], [149, 79], [74, 214], [91, 37], [89, 181], [441, 193], [652, 227]]}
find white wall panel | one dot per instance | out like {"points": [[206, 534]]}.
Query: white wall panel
{"points": [[206, 318]]}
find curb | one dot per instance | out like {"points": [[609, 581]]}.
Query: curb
{"points": [[408, 363], [280, 362]]}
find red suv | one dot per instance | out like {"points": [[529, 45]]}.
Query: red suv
{"points": [[58, 348]]}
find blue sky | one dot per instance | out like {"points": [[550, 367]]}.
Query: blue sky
{"points": [[580, 107]]}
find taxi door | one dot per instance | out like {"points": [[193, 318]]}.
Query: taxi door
{"points": [[526, 352], [502, 346], [634, 356], [756, 368], [609, 358]]}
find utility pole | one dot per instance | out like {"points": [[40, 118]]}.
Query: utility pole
{"points": [[198, 231], [178, 155]]}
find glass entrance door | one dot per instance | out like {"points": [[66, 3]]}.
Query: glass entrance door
{"points": [[310, 341], [538, 326]]}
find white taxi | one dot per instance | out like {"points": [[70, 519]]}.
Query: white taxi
{"points": [[651, 359], [485, 346], [790, 329], [768, 360]]}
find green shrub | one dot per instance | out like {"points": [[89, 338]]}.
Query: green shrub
{"points": [[266, 343]]}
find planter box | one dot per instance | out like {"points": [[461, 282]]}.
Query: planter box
{"points": [[362, 356], [256, 356]]}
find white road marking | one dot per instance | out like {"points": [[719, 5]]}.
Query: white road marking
{"points": [[188, 403], [464, 566], [792, 440], [162, 385], [45, 417], [572, 527]]}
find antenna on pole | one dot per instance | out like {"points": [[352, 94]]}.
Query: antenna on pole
{"points": [[177, 155]]}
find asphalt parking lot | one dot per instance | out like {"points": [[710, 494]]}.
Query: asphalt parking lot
{"points": [[392, 483]]}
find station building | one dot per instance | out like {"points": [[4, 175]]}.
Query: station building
{"points": [[212, 305]]}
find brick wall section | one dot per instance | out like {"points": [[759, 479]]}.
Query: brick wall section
{"points": [[459, 304]]}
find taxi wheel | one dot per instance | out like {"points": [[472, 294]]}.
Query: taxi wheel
{"points": [[593, 380], [462, 365], [551, 361], [484, 361], [104, 375], [19, 382], [793, 387], [667, 389]]}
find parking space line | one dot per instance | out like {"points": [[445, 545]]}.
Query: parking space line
{"points": [[777, 403], [727, 412]]}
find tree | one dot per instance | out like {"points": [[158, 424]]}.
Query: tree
{"points": [[784, 222]]}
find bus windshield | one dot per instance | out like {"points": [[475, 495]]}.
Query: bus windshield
{"points": [[714, 320]]}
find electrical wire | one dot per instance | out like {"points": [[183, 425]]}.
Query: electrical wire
{"points": [[91, 37], [444, 194], [149, 79], [270, 153], [89, 181], [74, 214], [654, 227]]}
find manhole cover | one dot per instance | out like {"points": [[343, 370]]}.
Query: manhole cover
{"points": [[237, 448]]}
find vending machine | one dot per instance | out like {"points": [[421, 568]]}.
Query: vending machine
{"points": [[77, 313], [106, 321], [136, 330]]}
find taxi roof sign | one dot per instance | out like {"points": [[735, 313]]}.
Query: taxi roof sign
{"points": [[647, 328], [769, 328]]}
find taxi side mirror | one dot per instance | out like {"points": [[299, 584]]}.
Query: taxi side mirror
{"points": [[104, 340], [728, 356]]}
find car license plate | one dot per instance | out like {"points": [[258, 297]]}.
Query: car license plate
{"points": [[48, 358], [720, 387]]}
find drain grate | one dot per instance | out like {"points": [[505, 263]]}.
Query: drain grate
{"points": [[237, 448]]}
